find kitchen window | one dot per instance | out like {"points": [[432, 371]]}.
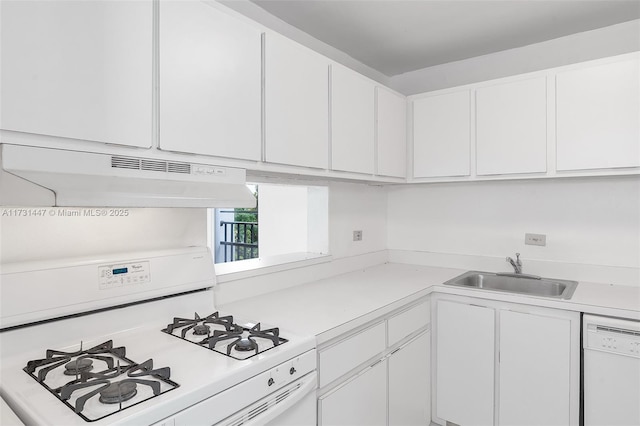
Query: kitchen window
{"points": [[235, 232], [289, 224]]}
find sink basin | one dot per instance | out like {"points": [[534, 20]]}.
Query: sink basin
{"points": [[516, 283]]}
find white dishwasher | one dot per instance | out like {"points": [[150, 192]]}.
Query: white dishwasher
{"points": [[611, 371]]}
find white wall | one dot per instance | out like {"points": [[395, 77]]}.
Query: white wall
{"points": [[351, 207], [593, 221], [580, 47], [283, 219], [55, 235], [356, 207]]}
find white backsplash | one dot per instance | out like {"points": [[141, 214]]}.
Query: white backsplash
{"points": [[589, 223], [354, 207], [592, 227]]}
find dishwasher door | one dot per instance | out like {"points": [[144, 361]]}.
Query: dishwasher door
{"points": [[611, 371]]}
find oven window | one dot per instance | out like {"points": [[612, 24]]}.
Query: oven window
{"points": [[289, 221]]}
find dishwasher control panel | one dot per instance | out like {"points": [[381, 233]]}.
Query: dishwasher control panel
{"points": [[609, 336]]}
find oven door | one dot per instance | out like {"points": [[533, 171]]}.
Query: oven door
{"points": [[291, 405]]}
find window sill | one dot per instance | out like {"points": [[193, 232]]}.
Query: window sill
{"points": [[233, 271]]}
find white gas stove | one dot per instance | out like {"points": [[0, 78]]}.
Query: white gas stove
{"points": [[136, 339]]}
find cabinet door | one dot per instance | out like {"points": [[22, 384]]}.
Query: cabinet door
{"points": [[511, 128], [465, 347], [210, 82], [296, 104], [360, 401], [598, 116], [80, 70], [409, 383], [441, 135], [535, 380], [352, 121], [391, 127]]}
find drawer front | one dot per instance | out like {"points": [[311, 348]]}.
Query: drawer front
{"points": [[346, 355], [409, 321]]}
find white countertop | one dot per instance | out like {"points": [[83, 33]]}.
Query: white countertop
{"points": [[330, 307], [7, 416]]}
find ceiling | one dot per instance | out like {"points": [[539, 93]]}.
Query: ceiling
{"points": [[397, 36]]}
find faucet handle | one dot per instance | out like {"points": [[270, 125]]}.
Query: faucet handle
{"points": [[518, 258]]}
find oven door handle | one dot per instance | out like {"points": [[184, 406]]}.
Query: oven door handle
{"points": [[308, 384], [295, 394]]}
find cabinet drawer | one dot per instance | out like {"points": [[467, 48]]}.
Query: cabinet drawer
{"points": [[344, 356], [405, 323]]}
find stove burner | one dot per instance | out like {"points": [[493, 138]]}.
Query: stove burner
{"points": [[240, 342], [118, 392], [201, 329], [81, 365], [245, 345], [115, 383]]}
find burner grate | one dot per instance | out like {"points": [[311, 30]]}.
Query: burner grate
{"points": [[114, 385], [243, 342]]}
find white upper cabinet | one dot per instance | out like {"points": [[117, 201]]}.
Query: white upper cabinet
{"points": [[210, 82], [391, 129], [598, 116], [441, 135], [296, 104], [80, 70], [352, 121], [511, 128]]}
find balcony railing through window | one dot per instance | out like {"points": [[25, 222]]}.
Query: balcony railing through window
{"points": [[239, 240]]}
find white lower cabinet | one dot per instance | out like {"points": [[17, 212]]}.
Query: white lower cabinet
{"points": [[535, 369], [360, 401], [362, 383], [505, 364], [465, 346], [337, 360], [409, 383]]}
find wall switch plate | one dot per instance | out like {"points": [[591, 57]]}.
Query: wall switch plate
{"points": [[535, 239], [357, 235]]}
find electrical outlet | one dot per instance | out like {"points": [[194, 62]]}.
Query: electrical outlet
{"points": [[357, 235], [535, 239]]}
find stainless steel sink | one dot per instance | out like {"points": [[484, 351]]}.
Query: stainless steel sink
{"points": [[516, 283]]}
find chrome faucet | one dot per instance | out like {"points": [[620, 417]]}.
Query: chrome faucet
{"points": [[517, 264]]}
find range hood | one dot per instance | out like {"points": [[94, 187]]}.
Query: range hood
{"points": [[34, 176]]}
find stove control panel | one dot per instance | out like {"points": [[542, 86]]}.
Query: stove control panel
{"points": [[124, 274]]}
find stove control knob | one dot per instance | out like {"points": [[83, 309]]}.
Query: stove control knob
{"points": [[270, 382], [292, 371]]}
